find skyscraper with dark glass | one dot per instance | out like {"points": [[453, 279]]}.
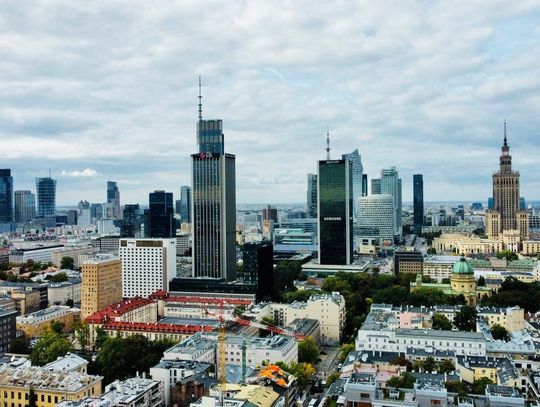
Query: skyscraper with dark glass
{"points": [[160, 215], [46, 196], [6, 196], [25, 206], [131, 221], [364, 185], [214, 203], [311, 208], [418, 202], [113, 199], [335, 213], [185, 204]]}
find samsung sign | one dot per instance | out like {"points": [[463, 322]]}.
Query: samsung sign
{"points": [[332, 218]]}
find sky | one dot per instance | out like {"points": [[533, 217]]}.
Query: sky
{"points": [[107, 90]]}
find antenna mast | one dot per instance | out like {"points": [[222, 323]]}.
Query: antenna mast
{"points": [[328, 145], [200, 99]]}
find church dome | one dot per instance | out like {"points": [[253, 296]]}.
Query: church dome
{"points": [[462, 267]]}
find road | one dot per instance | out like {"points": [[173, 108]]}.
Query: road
{"points": [[328, 362]]}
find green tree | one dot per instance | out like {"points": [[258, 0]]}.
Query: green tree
{"points": [[49, 347], [70, 303], [441, 323], [431, 250], [481, 281], [509, 255], [405, 381], [308, 351], [67, 263], [101, 338], [429, 364], [285, 273], [446, 366], [402, 361], [331, 378], [346, 348], [465, 319], [58, 326], [456, 386], [82, 333], [20, 345], [479, 386], [302, 371], [58, 277], [499, 332], [298, 295]]}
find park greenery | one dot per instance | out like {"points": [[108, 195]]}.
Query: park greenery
{"points": [[308, 351], [515, 292], [441, 323], [67, 263], [51, 345], [507, 254]]}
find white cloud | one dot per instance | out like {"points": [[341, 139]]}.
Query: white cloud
{"points": [[87, 172]]}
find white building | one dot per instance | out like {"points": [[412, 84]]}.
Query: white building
{"points": [[59, 293], [147, 265], [376, 218]]}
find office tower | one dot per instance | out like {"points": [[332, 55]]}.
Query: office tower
{"points": [[506, 214], [6, 196], [25, 206], [490, 203], [84, 218], [46, 196], [334, 208], [72, 216], [113, 199], [96, 211], [311, 196], [376, 218], [364, 185], [522, 204], [269, 213], [131, 221], [259, 269], [185, 204], [214, 203], [375, 186], [101, 283], [147, 265], [357, 174], [418, 203], [160, 215], [391, 184]]}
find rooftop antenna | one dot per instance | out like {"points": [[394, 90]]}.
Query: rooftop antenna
{"points": [[505, 142], [200, 98], [327, 145]]}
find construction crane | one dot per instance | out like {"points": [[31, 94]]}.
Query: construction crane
{"points": [[222, 371]]}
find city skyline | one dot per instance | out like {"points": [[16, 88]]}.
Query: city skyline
{"points": [[439, 111]]}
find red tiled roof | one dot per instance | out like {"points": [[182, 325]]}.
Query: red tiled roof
{"points": [[117, 309], [157, 327]]}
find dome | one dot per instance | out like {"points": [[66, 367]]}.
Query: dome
{"points": [[462, 267]]}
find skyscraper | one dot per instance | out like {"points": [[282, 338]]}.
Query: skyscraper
{"points": [[311, 208], [506, 213], [131, 221], [160, 215], [214, 203], [376, 218], [113, 199], [6, 196], [375, 186], [418, 202], [270, 213], [46, 196], [334, 209], [391, 184], [185, 204], [357, 173], [25, 206], [364, 185]]}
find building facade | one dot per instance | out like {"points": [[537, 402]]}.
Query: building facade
{"points": [[311, 207], [357, 173], [46, 196], [391, 184], [418, 203], [160, 215], [185, 204], [25, 206], [113, 200], [376, 218], [6, 196], [334, 211], [147, 265], [101, 283], [259, 268]]}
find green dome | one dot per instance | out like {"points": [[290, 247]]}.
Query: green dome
{"points": [[462, 267]]}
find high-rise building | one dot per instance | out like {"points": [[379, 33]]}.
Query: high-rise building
{"points": [[214, 203], [101, 283], [364, 185], [113, 199], [376, 218], [334, 209], [418, 202], [506, 214], [147, 265], [259, 269], [96, 211], [46, 196], [490, 203], [376, 186], [270, 213], [311, 196], [185, 204], [72, 217], [25, 206], [131, 221], [160, 215], [357, 174], [6, 196], [391, 184]]}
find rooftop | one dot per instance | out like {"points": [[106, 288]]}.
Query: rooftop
{"points": [[68, 363], [118, 309]]}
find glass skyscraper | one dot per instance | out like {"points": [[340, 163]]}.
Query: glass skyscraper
{"points": [[335, 212], [185, 204], [6, 196], [25, 206], [46, 196], [160, 215], [214, 204], [131, 221], [113, 199], [311, 208], [418, 202], [357, 172], [391, 184]]}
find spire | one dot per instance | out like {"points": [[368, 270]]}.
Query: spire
{"points": [[327, 145], [505, 141], [200, 98]]}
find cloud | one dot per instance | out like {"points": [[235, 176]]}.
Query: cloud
{"points": [[113, 87], [87, 172]]}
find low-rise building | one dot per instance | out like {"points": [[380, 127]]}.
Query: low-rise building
{"points": [[7, 328], [408, 261], [73, 252], [60, 293], [68, 363], [38, 254], [34, 324]]}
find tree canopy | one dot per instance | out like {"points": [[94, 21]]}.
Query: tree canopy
{"points": [[499, 332], [67, 263], [465, 319], [308, 351], [441, 323], [49, 347]]}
